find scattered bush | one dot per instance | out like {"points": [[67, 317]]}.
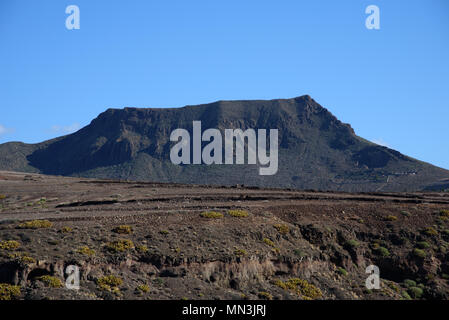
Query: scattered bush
{"points": [[2, 196], [85, 250], [352, 243], [9, 292], [120, 245], [282, 228], [423, 245], [265, 295], [409, 283], [444, 213], [382, 251], [238, 213], [109, 283], [9, 244], [211, 215], [406, 296], [66, 230], [35, 224], [415, 292], [164, 232], [240, 252], [142, 248], [143, 288], [268, 242], [391, 218], [25, 259], [430, 231], [123, 229], [419, 253], [301, 287], [50, 281], [280, 284], [342, 271], [406, 213]]}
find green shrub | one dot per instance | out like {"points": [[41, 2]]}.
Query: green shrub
{"points": [[268, 242], [142, 248], [66, 230], [430, 231], [352, 243], [109, 283], [164, 232], [143, 288], [303, 288], [382, 251], [391, 218], [444, 213], [9, 292], [282, 228], [9, 244], [85, 250], [50, 281], [211, 215], [120, 245], [415, 292], [419, 253], [265, 295], [409, 283], [342, 271], [2, 196], [123, 229], [238, 213], [240, 252], [406, 213], [406, 296], [35, 224], [423, 245]]}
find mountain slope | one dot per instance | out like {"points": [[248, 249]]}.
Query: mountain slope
{"points": [[316, 150]]}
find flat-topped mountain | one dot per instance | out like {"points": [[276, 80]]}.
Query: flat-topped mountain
{"points": [[316, 150]]}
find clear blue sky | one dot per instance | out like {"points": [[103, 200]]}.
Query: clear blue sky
{"points": [[390, 84]]}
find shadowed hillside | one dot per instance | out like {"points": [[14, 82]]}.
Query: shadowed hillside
{"points": [[316, 150]]}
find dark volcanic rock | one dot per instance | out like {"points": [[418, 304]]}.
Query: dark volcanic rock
{"points": [[317, 151]]}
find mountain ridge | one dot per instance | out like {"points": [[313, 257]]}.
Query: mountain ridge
{"points": [[316, 150]]}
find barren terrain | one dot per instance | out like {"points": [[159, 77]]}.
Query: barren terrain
{"points": [[140, 240]]}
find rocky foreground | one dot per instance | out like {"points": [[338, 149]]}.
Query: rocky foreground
{"points": [[135, 240]]}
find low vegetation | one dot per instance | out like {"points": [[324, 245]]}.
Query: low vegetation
{"points": [[238, 213], [265, 295], [50, 281], [143, 288], [9, 244], [9, 292], [123, 229], [121, 245], [301, 287], [282, 228], [109, 283], [211, 215], [35, 224], [240, 252], [85, 250], [268, 242]]}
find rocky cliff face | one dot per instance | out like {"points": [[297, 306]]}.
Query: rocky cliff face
{"points": [[316, 150]]}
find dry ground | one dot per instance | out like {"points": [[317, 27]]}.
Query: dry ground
{"points": [[291, 245]]}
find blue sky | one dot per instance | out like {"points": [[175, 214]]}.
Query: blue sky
{"points": [[390, 84]]}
